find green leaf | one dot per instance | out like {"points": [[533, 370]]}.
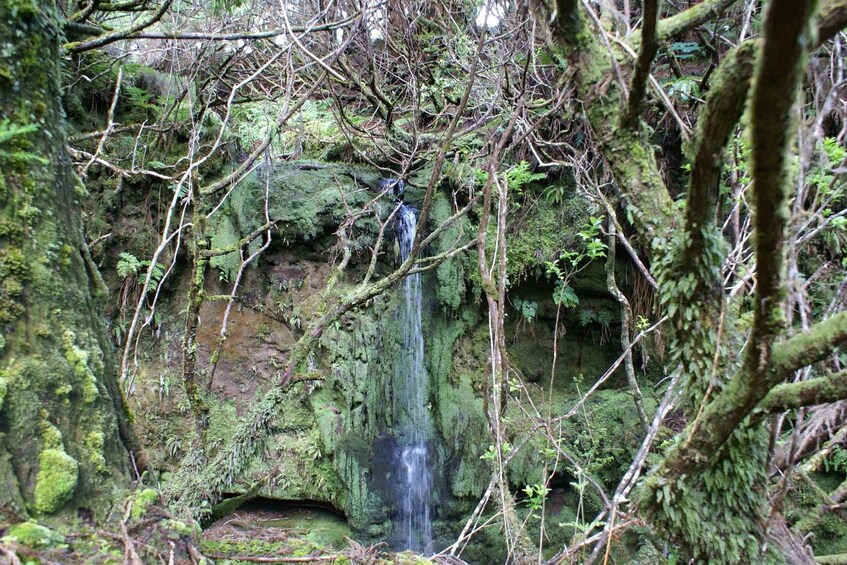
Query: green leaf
{"points": [[128, 265], [564, 295]]}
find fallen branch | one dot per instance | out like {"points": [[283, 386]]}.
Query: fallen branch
{"points": [[126, 173], [9, 554], [251, 559], [130, 555]]}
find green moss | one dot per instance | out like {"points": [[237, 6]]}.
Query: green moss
{"points": [[253, 547], [223, 420], [79, 361], [607, 433], [229, 505], [178, 528], [4, 389], [14, 272], [540, 234], [44, 285], [830, 535], [306, 203], [66, 255], [463, 425], [225, 234], [57, 480], [306, 549], [142, 501], [451, 275], [803, 510], [33, 535], [51, 437], [94, 441]]}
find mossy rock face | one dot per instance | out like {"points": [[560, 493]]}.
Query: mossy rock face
{"points": [[352, 410], [456, 279], [305, 200], [33, 535], [332, 441], [57, 479]]}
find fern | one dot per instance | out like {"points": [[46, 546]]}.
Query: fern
{"points": [[519, 176], [604, 318], [128, 265], [527, 308], [586, 316], [9, 130], [564, 295]]}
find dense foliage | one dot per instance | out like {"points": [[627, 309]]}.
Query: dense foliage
{"points": [[653, 192]]}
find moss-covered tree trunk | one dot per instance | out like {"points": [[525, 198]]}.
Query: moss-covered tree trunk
{"points": [[61, 444], [708, 494]]}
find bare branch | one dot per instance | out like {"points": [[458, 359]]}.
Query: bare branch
{"points": [[102, 41], [80, 154], [110, 124], [649, 47], [267, 34], [626, 319]]}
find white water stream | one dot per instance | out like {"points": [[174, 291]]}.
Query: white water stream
{"points": [[411, 390]]}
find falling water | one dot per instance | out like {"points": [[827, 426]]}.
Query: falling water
{"points": [[411, 381]]}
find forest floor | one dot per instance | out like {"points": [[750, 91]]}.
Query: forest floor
{"points": [[248, 536]]}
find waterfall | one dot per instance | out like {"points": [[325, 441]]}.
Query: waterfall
{"points": [[412, 458]]}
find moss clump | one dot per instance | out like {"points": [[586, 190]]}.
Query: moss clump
{"points": [[142, 502], [607, 434], [176, 529], [305, 203], [33, 535], [78, 359], [225, 234], [243, 547], [306, 549], [51, 437], [538, 234], [14, 271], [462, 421], [94, 441], [57, 478]]}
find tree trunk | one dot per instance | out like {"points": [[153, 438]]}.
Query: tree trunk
{"points": [[708, 493], [62, 436]]}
